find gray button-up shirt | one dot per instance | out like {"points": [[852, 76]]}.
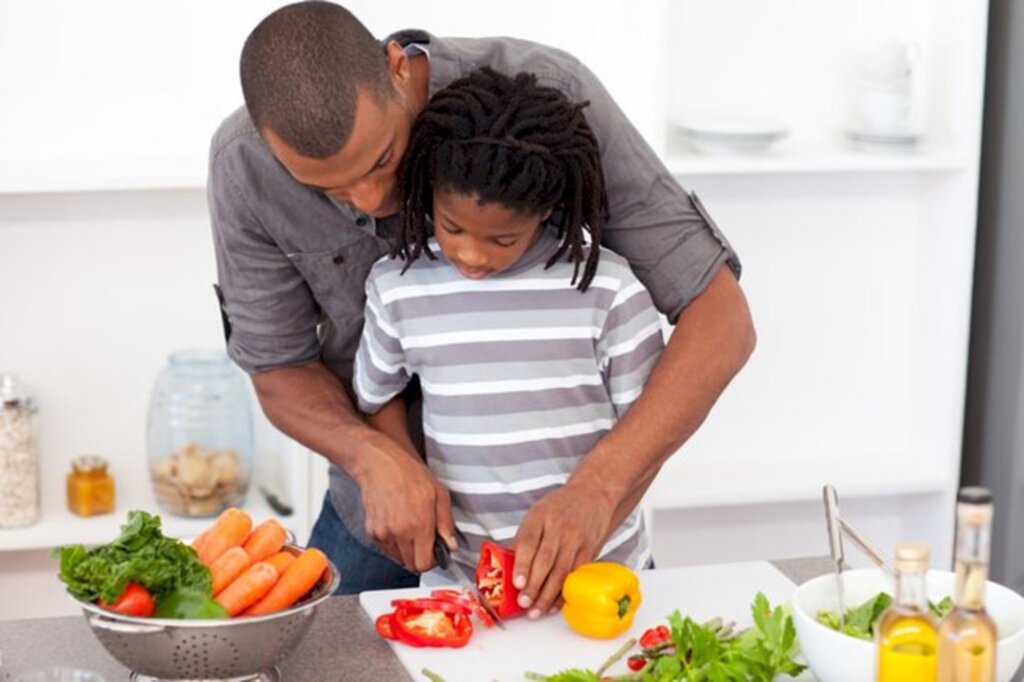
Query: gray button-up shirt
{"points": [[292, 262]]}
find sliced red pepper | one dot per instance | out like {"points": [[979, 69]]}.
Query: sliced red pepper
{"points": [[468, 600], [384, 626], [134, 601], [432, 604], [494, 579], [636, 662], [420, 625]]}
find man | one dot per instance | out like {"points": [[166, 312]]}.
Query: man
{"points": [[303, 198]]}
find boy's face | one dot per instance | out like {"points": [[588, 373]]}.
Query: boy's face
{"points": [[364, 172], [482, 239]]}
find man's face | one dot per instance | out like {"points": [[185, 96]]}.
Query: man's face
{"points": [[364, 173]]}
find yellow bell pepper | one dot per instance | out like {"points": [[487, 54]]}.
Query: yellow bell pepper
{"points": [[601, 599]]}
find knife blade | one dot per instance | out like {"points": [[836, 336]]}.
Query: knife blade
{"points": [[443, 557]]}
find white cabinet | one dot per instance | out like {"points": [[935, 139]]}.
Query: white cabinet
{"points": [[858, 267]]}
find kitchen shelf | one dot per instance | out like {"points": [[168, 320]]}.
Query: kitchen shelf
{"points": [[702, 484], [825, 160], [59, 526], [101, 175]]}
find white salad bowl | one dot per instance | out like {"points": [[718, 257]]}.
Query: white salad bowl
{"points": [[835, 657]]}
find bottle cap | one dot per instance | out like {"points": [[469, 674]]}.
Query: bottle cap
{"points": [[87, 464], [912, 557], [974, 495]]}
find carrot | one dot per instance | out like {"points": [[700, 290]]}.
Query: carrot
{"points": [[281, 561], [229, 566], [265, 539], [296, 581], [248, 588], [229, 530]]}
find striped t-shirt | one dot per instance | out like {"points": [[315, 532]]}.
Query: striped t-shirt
{"points": [[521, 375]]}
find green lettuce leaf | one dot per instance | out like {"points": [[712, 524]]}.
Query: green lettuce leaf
{"points": [[139, 554]]}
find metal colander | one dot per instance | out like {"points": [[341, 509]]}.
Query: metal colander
{"points": [[236, 649]]}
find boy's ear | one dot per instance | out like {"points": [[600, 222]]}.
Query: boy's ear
{"points": [[398, 64]]}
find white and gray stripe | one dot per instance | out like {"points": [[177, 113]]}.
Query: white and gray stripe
{"points": [[521, 373]]}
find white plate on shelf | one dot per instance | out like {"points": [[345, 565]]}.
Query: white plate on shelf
{"points": [[881, 140], [722, 133]]}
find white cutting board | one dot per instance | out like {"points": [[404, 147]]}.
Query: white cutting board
{"points": [[548, 645]]}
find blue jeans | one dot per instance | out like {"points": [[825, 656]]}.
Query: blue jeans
{"points": [[361, 568]]}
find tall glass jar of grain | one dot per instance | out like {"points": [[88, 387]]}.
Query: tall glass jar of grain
{"points": [[19, 459], [199, 434]]}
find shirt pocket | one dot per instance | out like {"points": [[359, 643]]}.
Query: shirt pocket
{"points": [[337, 280]]}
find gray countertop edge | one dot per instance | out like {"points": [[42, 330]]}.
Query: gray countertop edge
{"points": [[340, 627]]}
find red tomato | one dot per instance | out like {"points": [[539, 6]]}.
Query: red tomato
{"points": [[134, 601], [655, 637]]}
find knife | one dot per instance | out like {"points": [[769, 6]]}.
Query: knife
{"points": [[443, 557]]}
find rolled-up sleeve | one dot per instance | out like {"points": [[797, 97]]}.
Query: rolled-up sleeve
{"points": [[271, 313], [668, 237]]}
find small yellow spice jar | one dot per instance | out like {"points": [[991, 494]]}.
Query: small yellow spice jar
{"points": [[90, 487]]}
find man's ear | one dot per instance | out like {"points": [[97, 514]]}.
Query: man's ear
{"points": [[398, 65]]}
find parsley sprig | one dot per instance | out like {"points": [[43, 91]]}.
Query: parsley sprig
{"points": [[708, 653]]}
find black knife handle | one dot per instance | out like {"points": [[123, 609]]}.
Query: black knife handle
{"points": [[442, 555]]}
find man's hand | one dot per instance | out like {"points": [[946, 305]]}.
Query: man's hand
{"points": [[404, 503], [561, 531]]}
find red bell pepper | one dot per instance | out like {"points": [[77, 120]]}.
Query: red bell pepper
{"points": [[494, 579], [428, 623], [467, 600], [134, 601]]}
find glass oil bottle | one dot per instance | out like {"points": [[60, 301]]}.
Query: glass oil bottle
{"points": [[967, 635], [907, 636]]}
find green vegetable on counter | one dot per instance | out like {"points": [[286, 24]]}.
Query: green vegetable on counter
{"points": [[140, 554], [702, 653], [861, 620], [189, 604]]}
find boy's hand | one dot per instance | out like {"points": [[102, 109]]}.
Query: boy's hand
{"points": [[561, 531]]}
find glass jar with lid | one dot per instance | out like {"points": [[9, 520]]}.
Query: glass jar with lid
{"points": [[90, 488], [199, 434], [19, 459]]}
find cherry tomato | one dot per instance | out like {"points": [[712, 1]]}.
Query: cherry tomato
{"points": [[655, 637], [636, 662], [134, 601]]}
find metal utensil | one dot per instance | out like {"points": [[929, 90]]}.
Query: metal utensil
{"points": [[443, 557], [837, 527], [835, 545]]}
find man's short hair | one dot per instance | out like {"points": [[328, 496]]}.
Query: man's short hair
{"points": [[301, 70]]}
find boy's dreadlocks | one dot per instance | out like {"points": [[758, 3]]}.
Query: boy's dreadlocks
{"points": [[508, 141]]}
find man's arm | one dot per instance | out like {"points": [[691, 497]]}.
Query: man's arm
{"points": [[391, 420], [310, 404], [712, 341]]}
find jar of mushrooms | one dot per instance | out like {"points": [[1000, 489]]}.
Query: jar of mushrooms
{"points": [[199, 435]]}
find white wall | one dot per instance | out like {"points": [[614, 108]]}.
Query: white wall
{"points": [[118, 81], [858, 280]]}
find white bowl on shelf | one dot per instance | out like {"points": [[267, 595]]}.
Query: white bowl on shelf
{"points": [[835, 657], [718, 134]]}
